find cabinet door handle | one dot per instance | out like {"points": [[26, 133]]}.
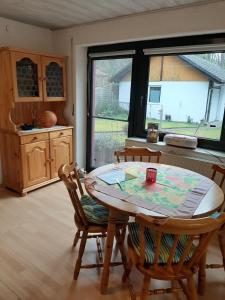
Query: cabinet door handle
{"points": [[34, 138], [61, 133]]}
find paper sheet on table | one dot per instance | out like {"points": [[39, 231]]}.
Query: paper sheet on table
{"points": [[115, 176]]}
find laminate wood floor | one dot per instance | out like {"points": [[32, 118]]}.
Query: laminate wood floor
{"points": [[37, 260]]}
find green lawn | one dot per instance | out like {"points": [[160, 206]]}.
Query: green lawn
{"points": [[102, 125], [172, 124]]}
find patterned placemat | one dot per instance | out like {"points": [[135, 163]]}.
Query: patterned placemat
{"points": [[177, 192]]}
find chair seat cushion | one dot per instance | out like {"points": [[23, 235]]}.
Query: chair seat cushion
{"points": [[95, 213], [166, 245]]}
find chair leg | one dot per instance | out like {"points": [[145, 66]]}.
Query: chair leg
{"points": [[126, 278], [184, 287], [120, 243], [80, 254], [123, 234], [126, 272], [191, 289], [174, 285], [145, 287], [116, 250], [221, 238], [99, 256], [202, 275], [76, 238]]}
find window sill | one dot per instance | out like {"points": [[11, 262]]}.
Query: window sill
{"points": [[200, 154]]}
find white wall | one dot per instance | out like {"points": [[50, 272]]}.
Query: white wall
{"points": [[16, 34], [208, 18]]}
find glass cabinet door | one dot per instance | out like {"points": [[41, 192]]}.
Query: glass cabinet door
{"points": [[26, 77], [53, 71]]}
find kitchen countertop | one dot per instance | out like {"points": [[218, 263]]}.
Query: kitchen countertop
{"points": [[40, 130]]}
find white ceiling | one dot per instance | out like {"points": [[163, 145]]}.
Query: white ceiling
{"points": [[55, 14]]}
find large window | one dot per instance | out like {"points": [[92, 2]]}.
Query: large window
{"points": [[191, 96], [178, 83]]}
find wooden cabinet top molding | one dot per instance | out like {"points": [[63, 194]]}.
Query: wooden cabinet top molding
{"points": [[29, 51]]}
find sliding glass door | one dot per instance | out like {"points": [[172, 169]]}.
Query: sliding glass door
{"points": [[109, 109]]}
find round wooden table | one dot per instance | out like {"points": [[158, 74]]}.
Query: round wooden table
{"points": [[211, 201]]}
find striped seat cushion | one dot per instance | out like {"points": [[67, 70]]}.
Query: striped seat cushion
{"points": [[166, 244], [95, 213]]}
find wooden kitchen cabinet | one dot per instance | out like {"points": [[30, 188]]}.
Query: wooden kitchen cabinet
{"points": [[30, 84], [54, 78], [32, 160], [35, 163], [36, 77], [41, 156], [26, 77], [61, 153]]}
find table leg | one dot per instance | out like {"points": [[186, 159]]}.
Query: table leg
{"points": [[108, 253], [202, 276], [112, 232]]}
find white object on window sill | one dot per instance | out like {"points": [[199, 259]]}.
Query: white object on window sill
{"points": [[201, 154], [183, 141]]}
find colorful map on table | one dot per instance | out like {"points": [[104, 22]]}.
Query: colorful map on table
{"points": [[177, 192]]}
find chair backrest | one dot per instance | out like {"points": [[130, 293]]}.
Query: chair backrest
{"points": [[137, 154], [69, 175], [180, 231], [220, 170]]}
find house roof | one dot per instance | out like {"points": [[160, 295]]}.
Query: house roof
{"points": [[209, 69]]}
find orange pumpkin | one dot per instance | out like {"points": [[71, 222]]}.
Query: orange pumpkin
{"points": [[47, 119]]}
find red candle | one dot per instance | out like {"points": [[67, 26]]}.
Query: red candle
{"points": [[151, 174]]}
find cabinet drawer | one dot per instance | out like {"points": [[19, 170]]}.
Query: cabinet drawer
{"points": [[60, 133], [31, 138]]}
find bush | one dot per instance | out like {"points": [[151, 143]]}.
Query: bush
{"points": [[110, 108], [189, 119], [106, 141]]}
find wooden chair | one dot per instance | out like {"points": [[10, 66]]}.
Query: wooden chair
{"points": [[137, 154], [163, 249], [91, 218], [217, 171]]}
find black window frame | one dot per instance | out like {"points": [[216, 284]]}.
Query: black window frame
{"points": [[139, 81]]}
